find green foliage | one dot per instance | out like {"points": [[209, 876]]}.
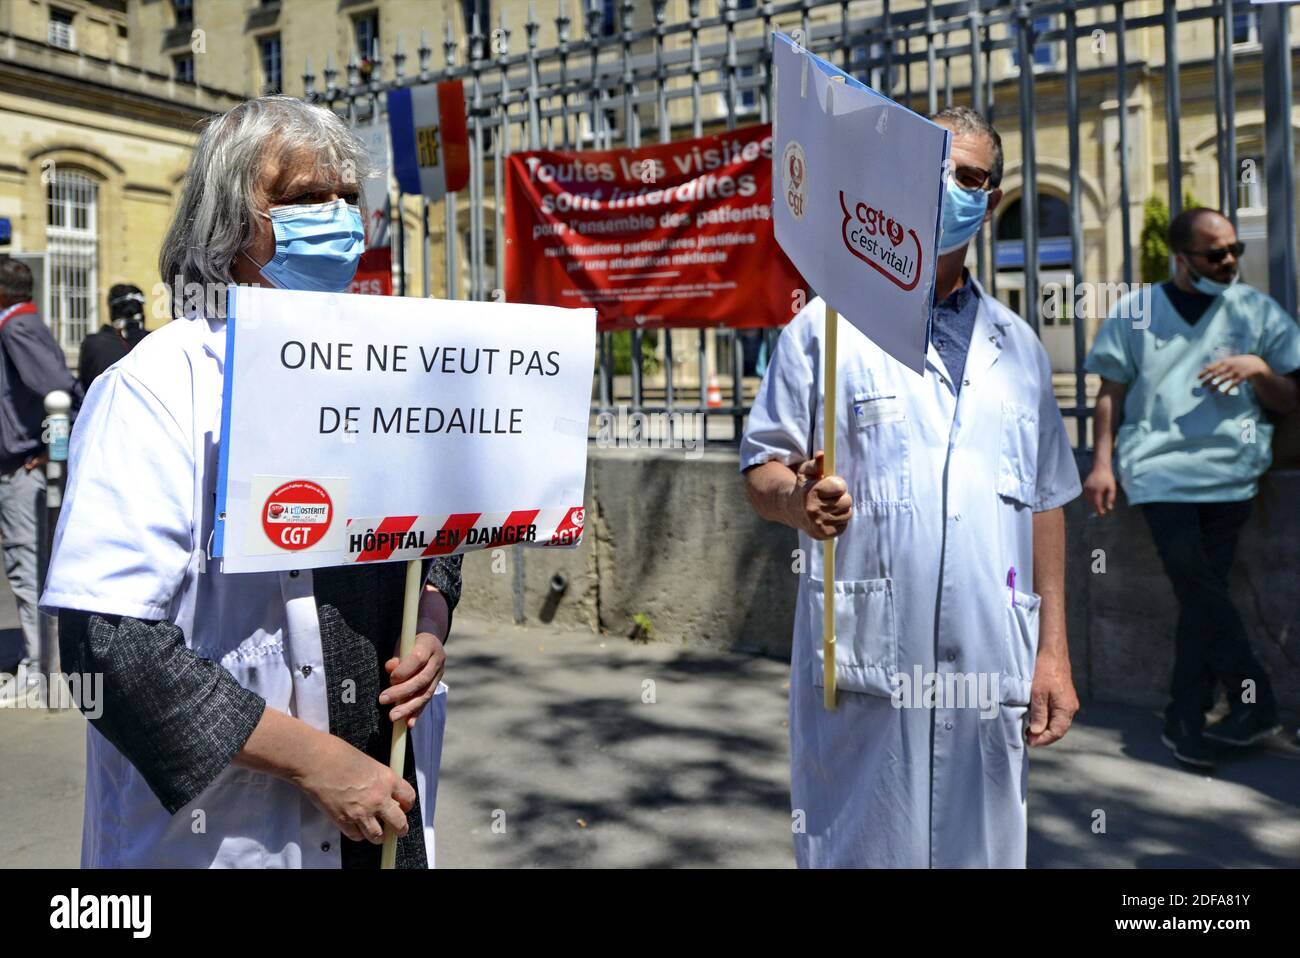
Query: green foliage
{"points": [[643, 629], [623, 352], [1154, 245]]}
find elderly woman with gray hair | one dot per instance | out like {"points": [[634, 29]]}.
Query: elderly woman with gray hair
{"points": [[243, 720]]}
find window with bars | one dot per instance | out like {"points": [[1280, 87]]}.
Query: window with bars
{"points": [[272, 69], [71, 242], [62, 33]]}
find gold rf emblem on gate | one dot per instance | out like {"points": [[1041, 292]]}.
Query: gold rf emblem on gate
{"points": [[426, 145]]}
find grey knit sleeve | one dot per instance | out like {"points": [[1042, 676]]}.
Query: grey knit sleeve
{"points": [[178, 718]]}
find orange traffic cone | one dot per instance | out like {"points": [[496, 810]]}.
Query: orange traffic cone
{"points": [[715, 392]]}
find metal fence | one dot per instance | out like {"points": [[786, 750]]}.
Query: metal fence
{"points": [[642, 77]]}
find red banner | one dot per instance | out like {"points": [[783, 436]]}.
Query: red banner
{"points": [[374, 273], [673, 235]]}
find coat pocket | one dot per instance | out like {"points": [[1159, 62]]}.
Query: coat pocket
{"points": [[1018, 454], [1022, 647], [866, 642]]}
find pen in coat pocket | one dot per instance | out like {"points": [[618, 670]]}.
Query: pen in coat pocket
{"points": [[1011, 583]]}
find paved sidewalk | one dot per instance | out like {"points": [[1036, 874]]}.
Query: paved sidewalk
{"points": [[558, 737]]}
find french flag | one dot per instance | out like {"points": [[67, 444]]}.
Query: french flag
{"points": [[429, 137]]}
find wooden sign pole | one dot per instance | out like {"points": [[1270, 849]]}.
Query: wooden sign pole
{"points": [[397, 757]]}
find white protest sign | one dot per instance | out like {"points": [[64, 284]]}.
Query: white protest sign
{"points": [[373, 429], [859, 189]]}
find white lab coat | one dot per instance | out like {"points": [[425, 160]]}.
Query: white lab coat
{"points": [[137, 518], [944, 488]]}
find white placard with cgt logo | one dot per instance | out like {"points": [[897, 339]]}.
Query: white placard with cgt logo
{"points": [[375, 429], [857, 198]]}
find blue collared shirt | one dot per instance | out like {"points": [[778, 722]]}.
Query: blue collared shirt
{"points": [[952, 324]]}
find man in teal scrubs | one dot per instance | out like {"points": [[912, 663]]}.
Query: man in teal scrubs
{"points": [[1187, 370]]}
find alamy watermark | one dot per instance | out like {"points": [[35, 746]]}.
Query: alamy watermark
{"points": [[75, 911], [1080, 301], [947, 690], [81, 690], [625, 429]]}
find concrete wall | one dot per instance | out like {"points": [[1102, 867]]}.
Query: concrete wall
{"points": [[675, 540]]}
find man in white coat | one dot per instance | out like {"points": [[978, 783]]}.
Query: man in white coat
{"points": [[245, 719], [950, 564]]}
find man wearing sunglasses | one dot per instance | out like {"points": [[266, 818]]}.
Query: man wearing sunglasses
{"points": [[947, 508], [1188, 370]]}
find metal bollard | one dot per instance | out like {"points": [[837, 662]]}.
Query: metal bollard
{"points": [[57, 429]]}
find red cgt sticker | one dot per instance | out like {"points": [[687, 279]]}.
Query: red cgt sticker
{"points": [[297, 515]]}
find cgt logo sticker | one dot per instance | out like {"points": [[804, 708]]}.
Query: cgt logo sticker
{"points": [[297, 515], [794, 173], [878, 241], [569, 531]]}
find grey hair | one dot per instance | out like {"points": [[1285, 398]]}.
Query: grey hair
{"points": [[962, 119], [214, 218]]}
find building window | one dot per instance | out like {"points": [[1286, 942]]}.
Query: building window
{"points": [[183, 68], [121, 31], [608, 17], [746, 97], [72, 254], [366, 30], [1054, 252], [867, 63], [1044, 53], [272, 74], [62, 34], [484, 10], [1245, 29], [184, 10]]}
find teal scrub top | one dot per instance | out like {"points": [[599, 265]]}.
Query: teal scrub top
{"points": [[1180, 441]]}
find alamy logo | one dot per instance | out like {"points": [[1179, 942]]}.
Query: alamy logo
{"points": [[947, 690], [75, 910]]}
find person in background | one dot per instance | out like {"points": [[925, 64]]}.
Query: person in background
{"points": [[31, 366], [1186, 375], [117, 337]]}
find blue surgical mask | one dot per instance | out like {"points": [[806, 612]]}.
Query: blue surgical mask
{"points": [[317, 246], [1209, 286], [963, 212]]}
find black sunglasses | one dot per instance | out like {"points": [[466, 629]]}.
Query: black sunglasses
{"points": [[971, 177], [1220, 254]]}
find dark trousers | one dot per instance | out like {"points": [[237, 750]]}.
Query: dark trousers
{"points": [[1197, 542]]}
